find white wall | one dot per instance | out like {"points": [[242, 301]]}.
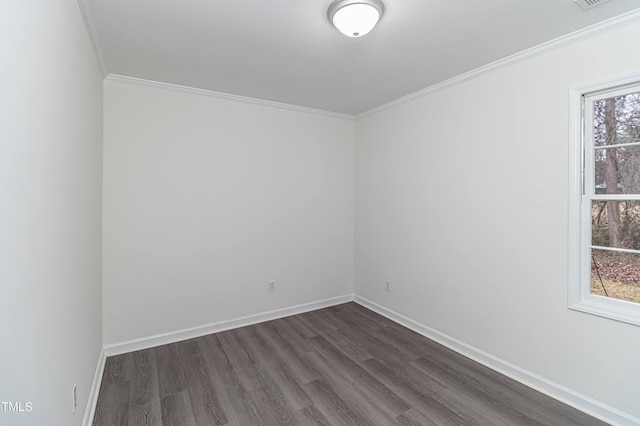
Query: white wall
{"points": [[50, 211], [462, 202], [207, 200]]}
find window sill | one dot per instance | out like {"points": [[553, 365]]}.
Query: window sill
{"points": [[615, 309]]}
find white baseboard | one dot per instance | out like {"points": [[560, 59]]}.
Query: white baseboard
{"points": [[203, 330], [581, 402], [92, 401]]}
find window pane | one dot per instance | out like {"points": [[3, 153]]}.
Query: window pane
{"points": [[615, 275], [615, 224], [617, 120], [617, 170]]}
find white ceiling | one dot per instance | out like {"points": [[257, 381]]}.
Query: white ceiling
{"points": [[287, 51]]}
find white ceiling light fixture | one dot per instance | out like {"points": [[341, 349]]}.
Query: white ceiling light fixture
{"points": [[355, 18]]}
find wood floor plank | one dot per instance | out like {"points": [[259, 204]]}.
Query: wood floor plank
{"points": [[146, 415], [290, 388], [299, 327], [287, 330], [354, 313], [500, 392], [310, 416], [362, 336], [144, 378], [332, 407], [349, 347], [414, 417], [117, 369], [427, 396], [262, 354], [144, 398], [374, 391], [333, 318], [422, 395], [356, 397], [242, 360], [239, 407], [170, 373], [271, 407], [515, 406], [176, 410], [293, 357], [341, 365], [112, 408], [317, 321], [382, 339], [203, 391]]}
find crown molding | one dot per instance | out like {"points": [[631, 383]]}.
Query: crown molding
{"points": [[555, 44], [89, 23], [224, 96]]}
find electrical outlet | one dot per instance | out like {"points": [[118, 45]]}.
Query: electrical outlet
{"points": [[272, 286], [74, 396], [387, 286]]}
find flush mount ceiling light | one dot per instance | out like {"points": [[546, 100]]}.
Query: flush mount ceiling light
{"points": [[355, 18]]}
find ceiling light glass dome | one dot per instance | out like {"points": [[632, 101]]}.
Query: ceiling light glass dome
{"points": [[355, 18]]}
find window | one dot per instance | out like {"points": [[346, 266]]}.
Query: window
{"points": [[604, 264]]}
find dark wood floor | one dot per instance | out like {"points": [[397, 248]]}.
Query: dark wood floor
{"points": [[341, 365]]}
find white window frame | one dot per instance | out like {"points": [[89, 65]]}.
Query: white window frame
{"points": [[582, 192]]}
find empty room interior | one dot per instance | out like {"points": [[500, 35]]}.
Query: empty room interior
{"points": [[224, 188]]}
